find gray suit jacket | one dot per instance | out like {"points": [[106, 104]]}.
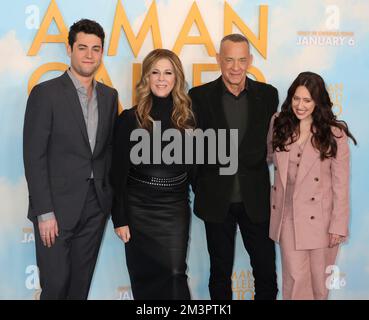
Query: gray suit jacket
{"points": [[57, 156]]}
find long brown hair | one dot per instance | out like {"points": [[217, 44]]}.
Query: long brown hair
{"points": [[182, 115], [286, 128]]}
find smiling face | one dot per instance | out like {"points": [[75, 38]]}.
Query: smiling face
{"points": [[162, 78], [86, 54], [302, 104], [234, 59]]}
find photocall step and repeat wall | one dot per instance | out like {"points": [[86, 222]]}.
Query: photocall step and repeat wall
{"points": [[330, 37]]}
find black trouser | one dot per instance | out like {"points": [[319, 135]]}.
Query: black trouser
{"points": [[221, 247], [66, 269]]}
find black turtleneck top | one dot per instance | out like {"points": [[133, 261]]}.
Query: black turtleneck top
{"points": [[162, 109]]}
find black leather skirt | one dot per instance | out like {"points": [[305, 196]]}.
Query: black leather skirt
{"points": [[159, 217]]}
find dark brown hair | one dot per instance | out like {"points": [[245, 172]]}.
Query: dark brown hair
{"points": [[85, 26], [286, 127]]}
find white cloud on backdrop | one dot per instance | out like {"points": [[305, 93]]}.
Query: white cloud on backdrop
{"points": [[13, 56], [13, 205]]}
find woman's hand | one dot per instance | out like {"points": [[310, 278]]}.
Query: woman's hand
{"points": [[335, 239], [123, 233]]}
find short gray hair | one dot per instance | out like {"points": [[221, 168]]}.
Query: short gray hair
{"points": [[235, 37]]}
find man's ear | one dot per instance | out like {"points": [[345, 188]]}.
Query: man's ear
{"points": [[69, 50], [217, 57], [251, 60]]}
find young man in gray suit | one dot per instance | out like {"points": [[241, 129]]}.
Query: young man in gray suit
{"points": [[68, 130]]}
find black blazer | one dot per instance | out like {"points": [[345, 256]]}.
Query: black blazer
{"points": [[125, 124], [57, 156], [212, 190]]}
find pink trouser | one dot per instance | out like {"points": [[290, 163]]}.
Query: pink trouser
{"points": [[303, 271]]}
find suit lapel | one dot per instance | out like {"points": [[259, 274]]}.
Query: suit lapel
{"points": [[74, 104], [308, 158], [101, 114], [217, 107], [252, 109]]}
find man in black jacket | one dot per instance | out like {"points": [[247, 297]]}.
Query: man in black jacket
{"points": [[67, 139], [234, 101]]}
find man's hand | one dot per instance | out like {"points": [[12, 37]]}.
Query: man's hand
{"points": [[48, 231], [123, 233]]}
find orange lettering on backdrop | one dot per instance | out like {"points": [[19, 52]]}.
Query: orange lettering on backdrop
{"points": [[258, 75], [102, 75], [151, 23], [121, 21], [136, 76], [40, 71], [199, 68], [260, 42], [194, 16], [42, 36]]}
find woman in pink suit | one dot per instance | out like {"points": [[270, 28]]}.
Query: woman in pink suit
{"points": [[310, 195]]}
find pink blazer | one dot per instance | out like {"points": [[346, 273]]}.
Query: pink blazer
{"points": [[321, 195]]}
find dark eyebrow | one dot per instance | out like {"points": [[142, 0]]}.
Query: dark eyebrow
{"points": [[85, 46]]}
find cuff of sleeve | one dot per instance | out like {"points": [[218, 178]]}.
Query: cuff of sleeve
{"points": [[46, 216]]}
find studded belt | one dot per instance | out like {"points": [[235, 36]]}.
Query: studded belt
{"points": [[157, 181]]}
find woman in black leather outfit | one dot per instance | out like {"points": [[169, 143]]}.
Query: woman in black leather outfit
{"points": [[151, 212]]}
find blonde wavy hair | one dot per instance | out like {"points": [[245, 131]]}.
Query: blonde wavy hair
{"points": [[182, 115]]}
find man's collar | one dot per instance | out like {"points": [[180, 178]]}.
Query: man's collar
{"points": [[78, 85], [225, 89]]}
